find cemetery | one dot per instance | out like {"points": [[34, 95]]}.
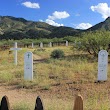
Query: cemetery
{"points": [[55, 55], [77, 81]]}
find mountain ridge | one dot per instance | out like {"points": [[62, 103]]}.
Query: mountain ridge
{"points": [[19, 28], [104, 25]]}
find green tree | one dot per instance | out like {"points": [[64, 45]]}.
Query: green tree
{"points": [[93, 42]]}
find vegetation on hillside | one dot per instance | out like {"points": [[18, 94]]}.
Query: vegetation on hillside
{"points": [[105, 25], [19, 28]]}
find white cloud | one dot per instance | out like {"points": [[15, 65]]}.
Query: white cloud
{"points": [[41, 20], [102, 8], [58, 15], [51, 22], [55, 16], [31, 5], [83, 26]]}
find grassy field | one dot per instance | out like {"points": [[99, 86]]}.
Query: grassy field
{"points": [[58, 81]]}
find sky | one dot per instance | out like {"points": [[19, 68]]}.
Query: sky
{"points": [[78, 14]]}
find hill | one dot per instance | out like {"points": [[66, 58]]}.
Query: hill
{"points": [[19, 28], [105, 25]]}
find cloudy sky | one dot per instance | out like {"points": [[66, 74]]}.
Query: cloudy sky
{"points": [[79, 14]]}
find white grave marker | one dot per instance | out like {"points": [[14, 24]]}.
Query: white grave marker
{"points": [[66, 43], [41, 45], [50, 44], [28, 66], [32, 45], [15, 52], [102, 65]]}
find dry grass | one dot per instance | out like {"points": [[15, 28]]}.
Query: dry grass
{"points": [[58, 80]]}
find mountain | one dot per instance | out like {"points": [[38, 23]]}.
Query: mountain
{"points": [[105, 25], [64, 31], [19, 28]]}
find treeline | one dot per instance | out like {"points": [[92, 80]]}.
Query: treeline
{"points": [[27, 41], [56, 32], [93, 42], [17, 35]]}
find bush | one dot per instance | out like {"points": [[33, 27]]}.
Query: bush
{"points": [[57, 53]]}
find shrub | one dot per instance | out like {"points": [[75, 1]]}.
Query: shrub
{"points": [[57, 53]]}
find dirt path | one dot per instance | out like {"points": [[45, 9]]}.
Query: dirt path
{"points": [[17, 95]]}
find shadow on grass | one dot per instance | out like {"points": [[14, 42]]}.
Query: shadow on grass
{"points": [[40, 60], [88, 57], [75, 57], [108, 58]]}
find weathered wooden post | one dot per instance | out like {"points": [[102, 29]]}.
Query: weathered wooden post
{"points": [[78, 104], [39, 104], [5, 103]]}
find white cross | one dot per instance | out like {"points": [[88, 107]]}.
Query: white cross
{"points": [[15, 52]]}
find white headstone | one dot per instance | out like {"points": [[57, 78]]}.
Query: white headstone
{"points": [[50, 44], [28, 66], [32, 45], [15, 52], [41, 45], [66, 43], [102, 65]]}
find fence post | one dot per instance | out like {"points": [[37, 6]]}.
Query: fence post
{"points": [[39, 104], [78, 104], [5, 103]]}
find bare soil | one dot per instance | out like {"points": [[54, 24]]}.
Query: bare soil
{"points": [[66, 90]]}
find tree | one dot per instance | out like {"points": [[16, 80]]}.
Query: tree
{"points": [[93, 42]]}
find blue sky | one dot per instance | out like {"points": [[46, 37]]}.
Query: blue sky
{"points": [[79, 14]]}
